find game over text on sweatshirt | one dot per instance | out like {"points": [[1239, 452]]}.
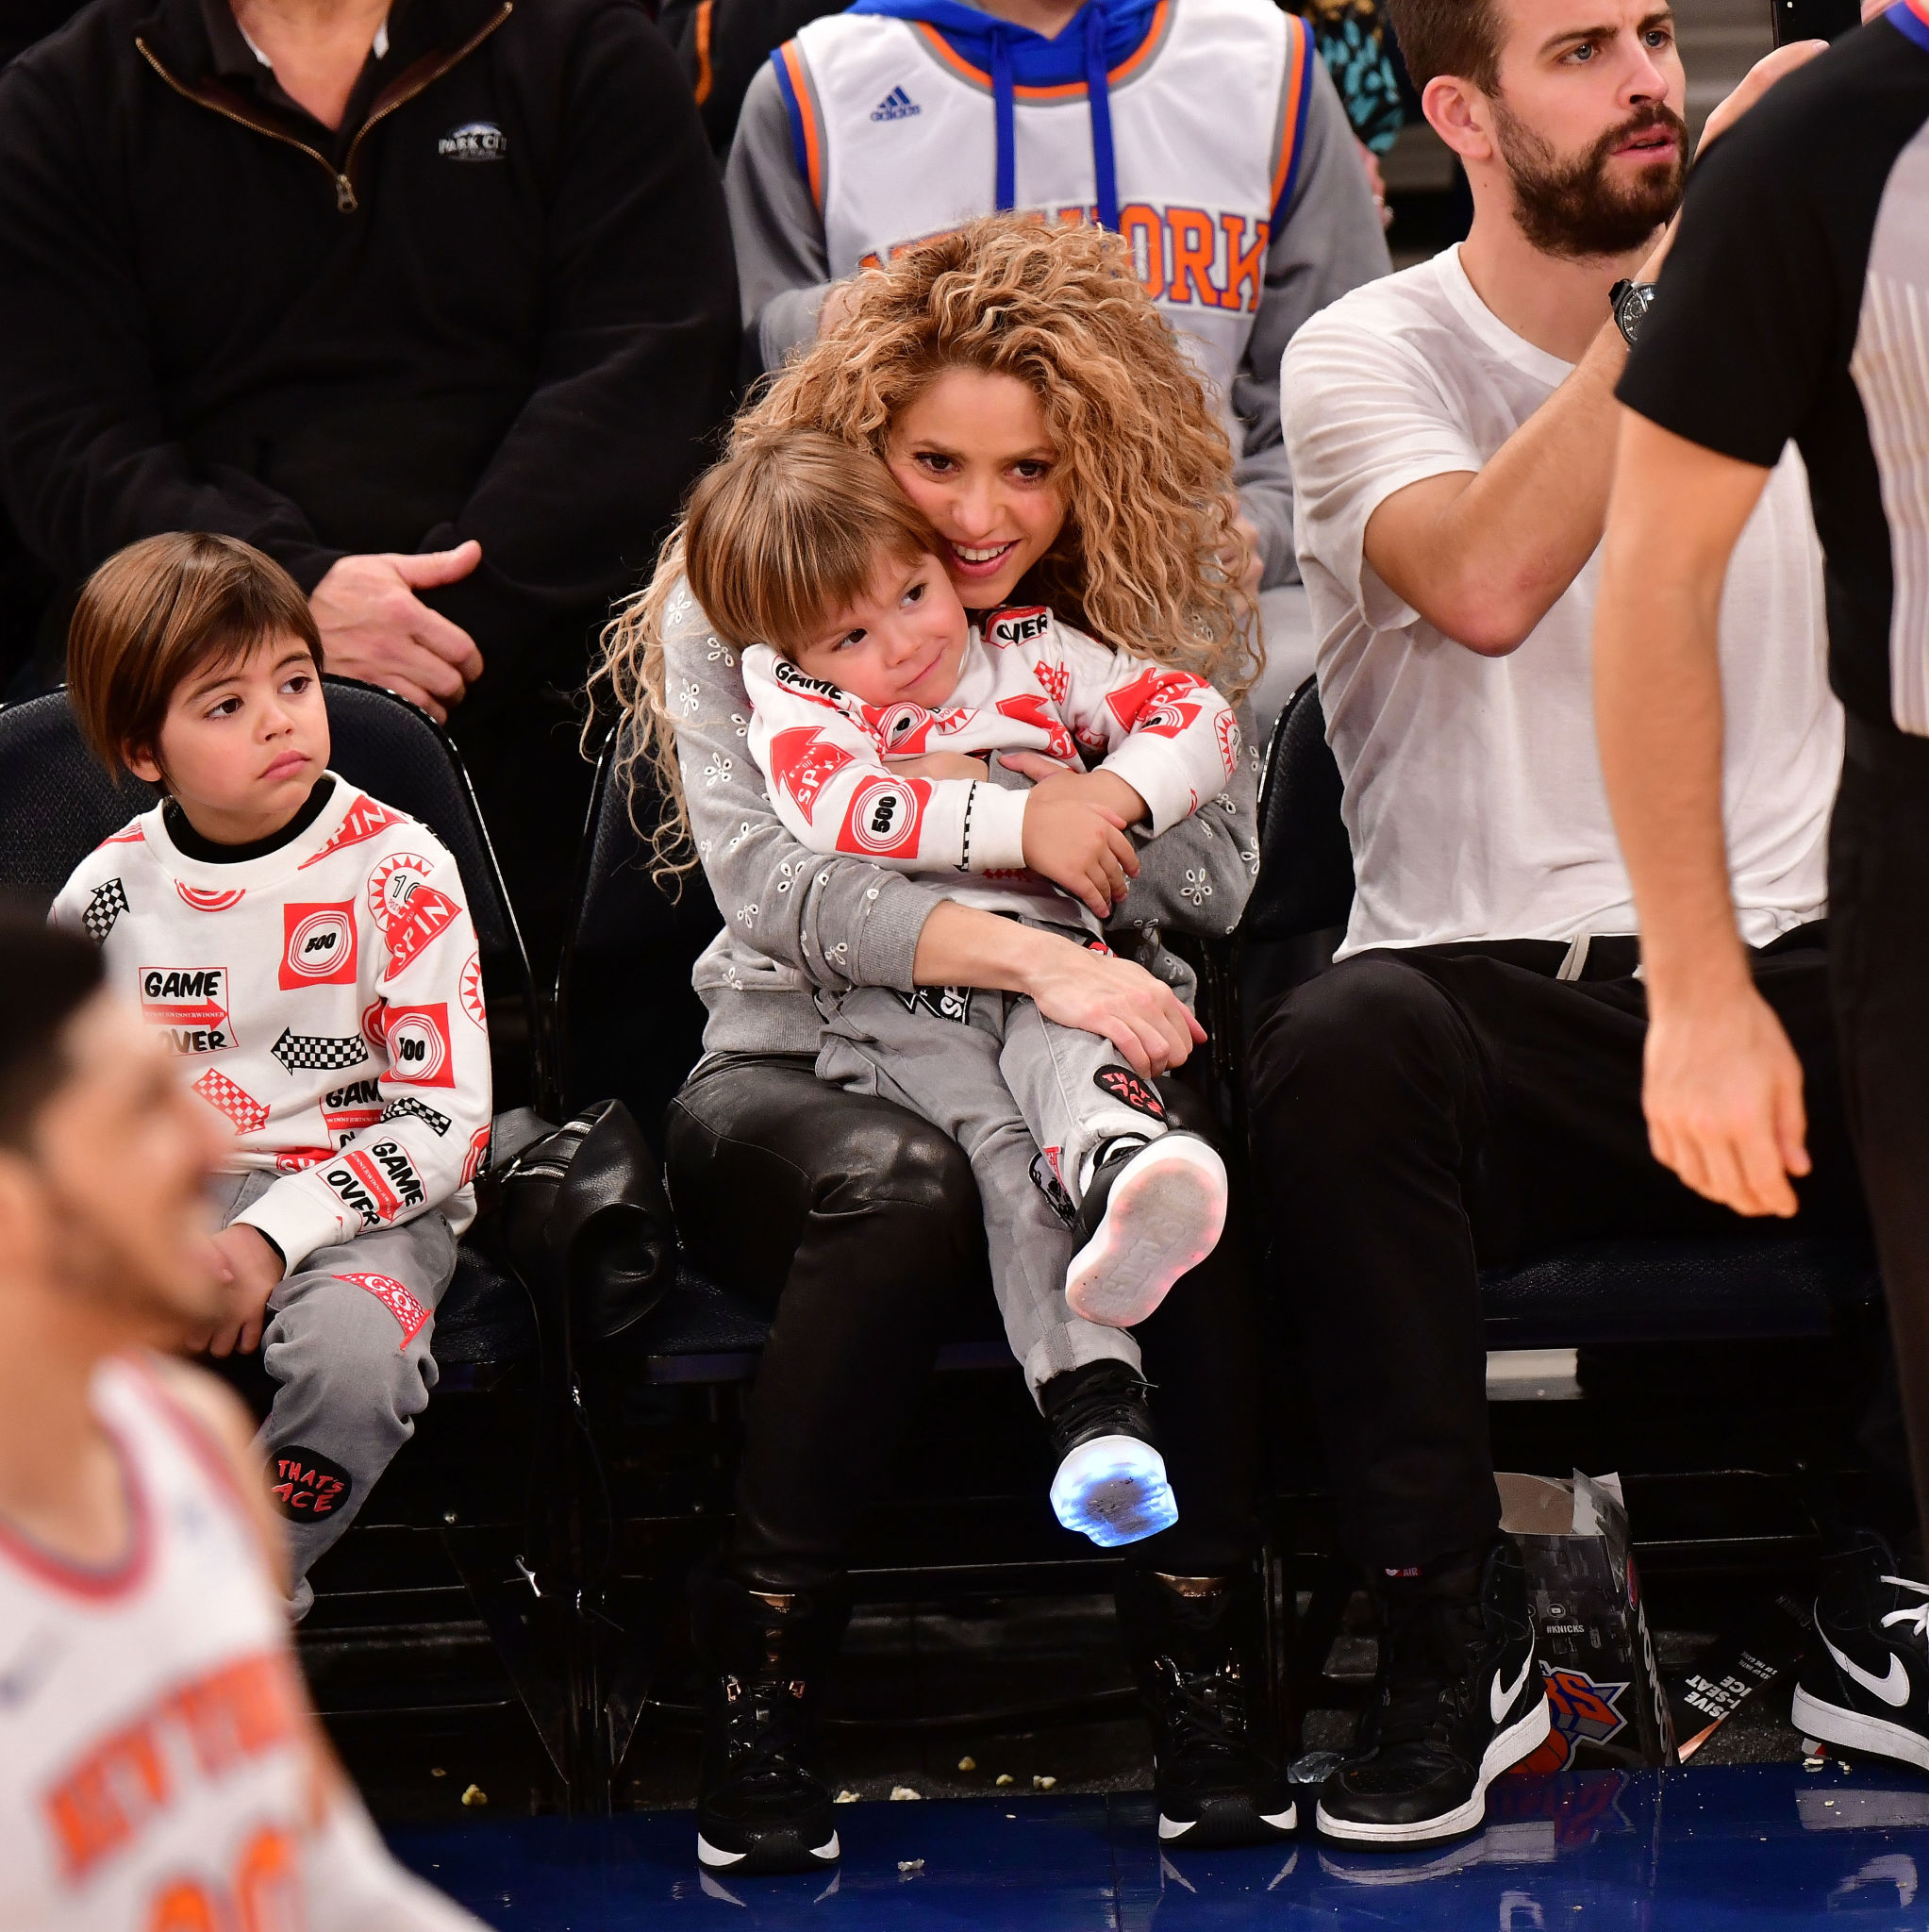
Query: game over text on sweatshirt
{"points": [[330, 995]]}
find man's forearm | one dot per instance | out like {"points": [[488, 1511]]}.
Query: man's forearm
{"points": [[1485, 558], [1678, 513]]}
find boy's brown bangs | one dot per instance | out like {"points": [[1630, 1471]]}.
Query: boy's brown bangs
{"points": [[162, 611], [783, 535]]}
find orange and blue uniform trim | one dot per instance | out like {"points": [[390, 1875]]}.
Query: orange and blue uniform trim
{"points": [[1292, 131], [806, 125], [1911, 17]]}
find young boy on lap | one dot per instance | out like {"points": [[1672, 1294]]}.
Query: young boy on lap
{"points": [[878, 710], [306, 947]]}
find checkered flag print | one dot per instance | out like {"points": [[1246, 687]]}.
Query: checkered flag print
{"points": [[242, 1108], [318, 1053], [408, 1104], [107, 904]]}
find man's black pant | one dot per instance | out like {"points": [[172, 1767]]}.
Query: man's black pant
{"points": [[860, 1225], [1879, 958], [1418, 1115]]}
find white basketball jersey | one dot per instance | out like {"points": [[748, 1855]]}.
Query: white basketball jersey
{"points": [[153, 1769], [895, 134]]}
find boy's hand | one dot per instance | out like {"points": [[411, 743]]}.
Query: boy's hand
{"points": [[248, 1262], [1078, 843], [941, 764]]}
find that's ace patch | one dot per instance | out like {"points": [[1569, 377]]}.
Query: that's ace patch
{"points": [[307, 1485], [1127, 1088]]}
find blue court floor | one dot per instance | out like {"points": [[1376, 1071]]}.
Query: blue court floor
{"points": [[1756, 1846]]}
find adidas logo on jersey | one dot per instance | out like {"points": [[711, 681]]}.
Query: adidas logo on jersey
{"points": [[896, 106]]}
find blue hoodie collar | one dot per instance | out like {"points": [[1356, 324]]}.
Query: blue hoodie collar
{"points": [[1101, 35]]}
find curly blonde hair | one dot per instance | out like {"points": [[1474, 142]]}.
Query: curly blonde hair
{"points": [[1151, 555]]}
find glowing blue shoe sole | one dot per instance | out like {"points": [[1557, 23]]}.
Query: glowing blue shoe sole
{"points": [[1113, 1489]]}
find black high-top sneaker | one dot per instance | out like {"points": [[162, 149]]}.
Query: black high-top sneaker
{"points": [[1459, 1699], [1111, 1481], [1152, 1211], [762, 1804], [1198, 1646], [1865, 1680]]}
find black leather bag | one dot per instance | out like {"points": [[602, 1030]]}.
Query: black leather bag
{"points": [[584, 1214]]}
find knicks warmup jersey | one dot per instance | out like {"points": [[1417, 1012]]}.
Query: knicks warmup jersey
{"points": [[152, 1772], [895, 134]]}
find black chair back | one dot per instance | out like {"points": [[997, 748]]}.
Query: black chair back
{"points": [[1305, 862], [628, 1024], [57, 803]]}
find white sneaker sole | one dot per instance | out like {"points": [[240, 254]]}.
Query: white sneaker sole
{"points": [[1170, 1831], [719, 1860], [1858, 1730], [1164, 1215], [1522, 1738], [1114, 1490]]}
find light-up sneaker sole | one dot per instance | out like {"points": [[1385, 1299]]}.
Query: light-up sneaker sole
{"points": [[1113, 1489], [1164, 1215]]}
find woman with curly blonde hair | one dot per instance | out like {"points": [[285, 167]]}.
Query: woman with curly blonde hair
{"points": [[1134, 535], [1027, 400]]}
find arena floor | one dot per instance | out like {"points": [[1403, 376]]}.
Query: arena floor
{"points": [[1741, 1845]]}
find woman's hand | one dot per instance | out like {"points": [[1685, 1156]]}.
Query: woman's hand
{"points": [[1077, 841], [1099, 993], [941, 764]]}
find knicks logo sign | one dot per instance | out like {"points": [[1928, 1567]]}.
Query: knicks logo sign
{"points": [[803, 762], [882, 818], [418, 1045], [318, 945]]}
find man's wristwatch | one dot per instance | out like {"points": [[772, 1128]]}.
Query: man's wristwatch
{"points": [[1630, 302]]}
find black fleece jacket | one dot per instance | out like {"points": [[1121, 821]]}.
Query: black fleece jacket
{"points": [[504, 308]]}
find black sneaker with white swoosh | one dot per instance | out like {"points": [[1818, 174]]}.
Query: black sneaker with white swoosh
{"points": [[1459, 1700], [1865, 1681]]}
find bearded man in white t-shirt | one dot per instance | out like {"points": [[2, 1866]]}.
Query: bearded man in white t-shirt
{"points": [[1463, 1087]]}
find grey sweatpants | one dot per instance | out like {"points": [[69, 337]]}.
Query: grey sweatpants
{"points": [[1028, 1100], [346, 1343]]}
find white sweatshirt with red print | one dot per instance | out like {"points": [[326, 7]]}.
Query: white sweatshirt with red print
{"points": [[1027, 683], [328, 996]]}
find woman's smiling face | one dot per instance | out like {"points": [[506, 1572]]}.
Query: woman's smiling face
{"points": [[972, 452]]}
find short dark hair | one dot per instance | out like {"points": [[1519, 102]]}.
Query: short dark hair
{"points": [[154, 614], [1458, 37], [49, 977]]}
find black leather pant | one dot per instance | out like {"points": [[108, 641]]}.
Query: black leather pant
{"points": [[858, 1225]]}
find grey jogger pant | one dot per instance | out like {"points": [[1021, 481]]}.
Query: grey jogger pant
{"points": [[346, 1343], [1028, 1100]]}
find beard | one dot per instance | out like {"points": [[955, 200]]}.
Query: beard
{"points": [[1572, 209]]}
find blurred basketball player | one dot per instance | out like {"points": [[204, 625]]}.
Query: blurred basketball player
{"points": [[160, 1770]]}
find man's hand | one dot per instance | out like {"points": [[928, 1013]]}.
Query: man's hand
{"points": [[836, 305], [375, 627], [941, 764], [1754, 84], [1244, 559], [247, 1260], [1076, 839], [1723, 1094], [1099, 993]]}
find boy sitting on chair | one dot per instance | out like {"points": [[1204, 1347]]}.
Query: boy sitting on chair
{"points": [[308, 947]]}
